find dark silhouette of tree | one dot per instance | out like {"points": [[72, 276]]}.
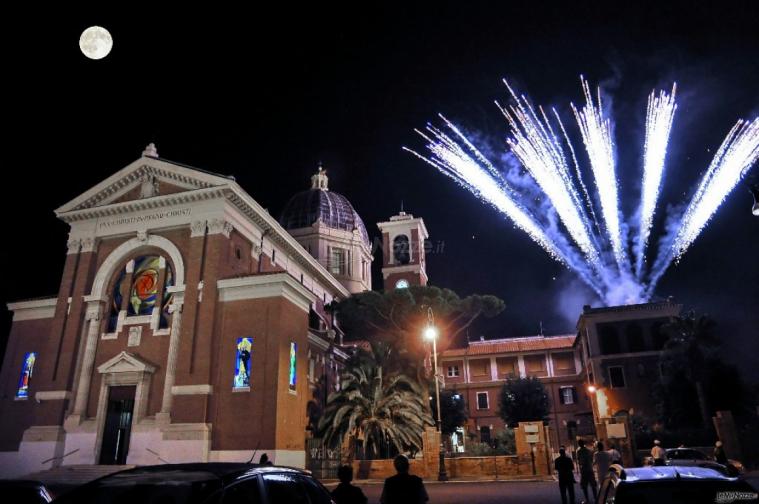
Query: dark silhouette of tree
{"points": [[398, 316], [453, 415], [523, 400], [691, 343]]}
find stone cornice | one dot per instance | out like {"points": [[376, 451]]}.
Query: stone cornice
{"points": [[131, 175], [264, 286], [318, 341], [156, 202], [33, 310]]}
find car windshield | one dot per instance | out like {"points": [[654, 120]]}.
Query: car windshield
{"points": [[684, 491], [167, 487], [681, 453]]}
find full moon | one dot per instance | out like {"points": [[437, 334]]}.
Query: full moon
{"points": [[95, 42]]}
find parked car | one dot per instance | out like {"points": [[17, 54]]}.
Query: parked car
{"points": [[694, 457], [209, 483], [24, 492], [673, 484]]}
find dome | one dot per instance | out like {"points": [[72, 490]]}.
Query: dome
{"points": [[319, 203]]}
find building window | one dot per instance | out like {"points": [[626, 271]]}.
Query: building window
{"points": [[634, 334], [453, 371], [659, 335], [535, 365], [27, 367], [238, 254], [507, 367], [479, 367], [293, 366], [401, 250], [563, 363], [482, 400], [616, 377], [609, 340], [485, 434], [338, 263], [568, 395], [143, 291], [242, 363]]}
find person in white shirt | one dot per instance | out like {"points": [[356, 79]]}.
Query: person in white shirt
{"points": [[658, 454], [616, 457], [601, 461]]}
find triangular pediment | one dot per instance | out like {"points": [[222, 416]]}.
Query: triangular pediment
{"points": [[146, 177], [125, 363]]}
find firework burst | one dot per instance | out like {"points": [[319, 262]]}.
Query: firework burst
{"points": [[565, 221]]}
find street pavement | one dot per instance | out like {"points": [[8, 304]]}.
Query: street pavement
{"points": [[501, 492], [474, 492]]}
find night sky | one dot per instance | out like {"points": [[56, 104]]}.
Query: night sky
{"points": [[265, 95]]}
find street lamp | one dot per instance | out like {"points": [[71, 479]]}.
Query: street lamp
{"points": [[755, 192], [431, 333]]}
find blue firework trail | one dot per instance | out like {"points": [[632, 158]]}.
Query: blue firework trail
{"points": [[565, 222]]}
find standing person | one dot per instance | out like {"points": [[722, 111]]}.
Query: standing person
{"points": [[616, 457], [345, 493], [565, 469], [719, 453], [403, 488], [658, 454], [602, 461], [585, 465]]}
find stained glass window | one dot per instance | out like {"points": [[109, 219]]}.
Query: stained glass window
{"points": [[26, 374], [242, 363], [293, 362], [142, 292]]}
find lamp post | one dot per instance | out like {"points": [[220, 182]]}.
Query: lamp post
{"points": [[755, 192], [431, 334]]}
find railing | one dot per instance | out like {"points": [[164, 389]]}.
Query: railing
{"points": [[61, 457]]}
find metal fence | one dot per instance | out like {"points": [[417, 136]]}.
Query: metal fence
{"points": [[321, 460]]}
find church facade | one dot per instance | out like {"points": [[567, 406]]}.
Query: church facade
{"points": [[190, 325]]}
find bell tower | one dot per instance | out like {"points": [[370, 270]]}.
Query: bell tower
{"points": [[403, 251]]}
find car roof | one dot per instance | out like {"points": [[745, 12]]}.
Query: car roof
{"points": [[223, 470], [20, 483], [660, 473]]}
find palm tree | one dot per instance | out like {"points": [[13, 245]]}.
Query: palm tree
{"points": [[691, 341], [379, 409]]}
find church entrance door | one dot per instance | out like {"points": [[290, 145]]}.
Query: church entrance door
{"points": [[118, 425]]}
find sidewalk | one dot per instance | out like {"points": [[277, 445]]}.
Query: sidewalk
{"points": [[526, 479]]}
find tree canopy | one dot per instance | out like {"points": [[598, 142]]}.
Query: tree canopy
{"points": [[379, 409], [398, 316], [523, 400]]}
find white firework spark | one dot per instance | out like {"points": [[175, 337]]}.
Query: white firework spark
{"points": [[738, 152], [659, 117], [596, 133], [597, 254], [537, 148]]}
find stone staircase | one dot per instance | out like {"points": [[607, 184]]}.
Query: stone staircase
{"points": [[69, 476]]}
